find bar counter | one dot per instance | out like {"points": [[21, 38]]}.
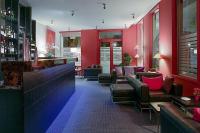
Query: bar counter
{"points": [[32, 107], [11, 110], [45, 93]]}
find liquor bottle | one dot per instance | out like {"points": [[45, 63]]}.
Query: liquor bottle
{"points": [[3, 13], [12, 14], [12, 49], [8, 13], [12, 34], [2, 49], [2, 30]]}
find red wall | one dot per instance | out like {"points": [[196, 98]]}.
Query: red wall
{"points": [[168, 44], [89, 48], [188, 83], [129, 42], [165, 38]]}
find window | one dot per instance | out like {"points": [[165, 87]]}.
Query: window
{"points": [[187, 32], [155, 62], [140, 43], [110, 35]]}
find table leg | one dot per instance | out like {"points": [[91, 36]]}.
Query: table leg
{"points": [[158, 123], [150, 114]]}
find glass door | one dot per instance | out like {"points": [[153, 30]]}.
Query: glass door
{"points": [[105, 57], [117, 53]]}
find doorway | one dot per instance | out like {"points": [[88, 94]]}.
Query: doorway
{"points": [[110, 55]]}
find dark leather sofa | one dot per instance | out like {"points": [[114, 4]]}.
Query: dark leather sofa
{"points": [[144, 96], [91, 73], [173, 120], [125, 71]]}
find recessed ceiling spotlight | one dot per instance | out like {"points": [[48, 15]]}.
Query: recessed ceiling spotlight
{"points": [[52, 21], [133, 15], [125, 26], [102, 3], [72, 12]]}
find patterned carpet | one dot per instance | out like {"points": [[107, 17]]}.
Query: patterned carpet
{"points": [[90, 110]]}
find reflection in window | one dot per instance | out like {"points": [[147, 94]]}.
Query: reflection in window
{"points": [[155, 62], [110, 35], [189, 17], [187, 38]]}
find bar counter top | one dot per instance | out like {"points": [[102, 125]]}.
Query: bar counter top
{"points": [[45, 59], [49, 62]]}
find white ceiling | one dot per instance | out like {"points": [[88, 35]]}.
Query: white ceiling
{"points": [[89, 13]]}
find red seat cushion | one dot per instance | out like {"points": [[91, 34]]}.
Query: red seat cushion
{"points": [[154, 83], [196, 114]]}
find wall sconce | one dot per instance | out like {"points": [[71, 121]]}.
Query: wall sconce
{"points": [[137, 56], [157, 56]]}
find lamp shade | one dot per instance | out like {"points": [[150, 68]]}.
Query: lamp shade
{"points": [[136, 47], [157, 56], [137, 56]]}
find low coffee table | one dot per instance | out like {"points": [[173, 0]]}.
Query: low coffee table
{"points": [[185, 105], [122, 81], [155, 106]]}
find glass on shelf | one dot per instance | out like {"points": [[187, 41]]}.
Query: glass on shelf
{"points": [[8, 14]]}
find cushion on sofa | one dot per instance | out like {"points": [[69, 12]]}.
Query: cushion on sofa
{"points": [[128, 70], [119, 71], [167, 84], [138, 69], [154, 83], [196, 114]]}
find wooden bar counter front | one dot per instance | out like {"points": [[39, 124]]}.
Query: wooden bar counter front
{"points": [[49, 62]]}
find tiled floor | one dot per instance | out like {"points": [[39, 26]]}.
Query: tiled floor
{"points": [[90, 110]]}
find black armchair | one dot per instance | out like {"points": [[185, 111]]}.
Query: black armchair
{"points": [[92, 73]]}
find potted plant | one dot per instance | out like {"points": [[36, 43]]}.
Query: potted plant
{"points": [[127, 59]]}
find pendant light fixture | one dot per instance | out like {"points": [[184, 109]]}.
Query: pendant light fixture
{"points": [[104, 6]]}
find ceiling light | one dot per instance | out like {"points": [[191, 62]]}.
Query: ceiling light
{"points": [[125, 26], [72, 12], [52, 22], [133, 15], [104, 5]]}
